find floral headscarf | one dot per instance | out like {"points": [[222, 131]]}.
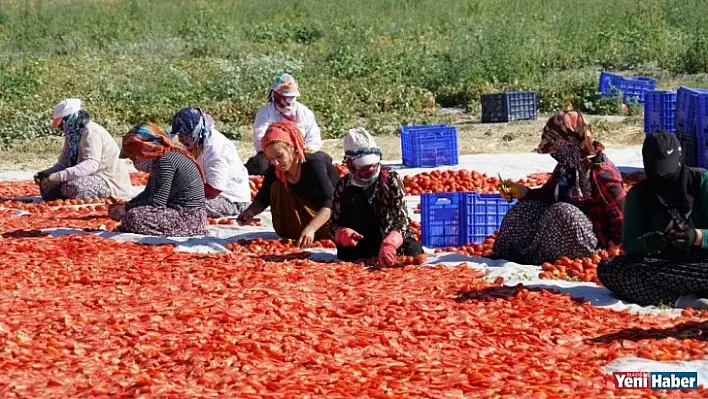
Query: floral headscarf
{"points": [[283, 94], [284, 85], [149, 141], [571, 137]]}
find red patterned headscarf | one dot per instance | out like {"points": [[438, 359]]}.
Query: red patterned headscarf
{"points": [[149, 141], [569, 127], [285, 132], [573, 145]]}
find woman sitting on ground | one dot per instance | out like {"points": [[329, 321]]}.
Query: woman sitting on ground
{"points": [[173, 202], [227, 187], [578, 209], [88, 166], [665, 233], [298, 187], [369, 216], [283, 106]]}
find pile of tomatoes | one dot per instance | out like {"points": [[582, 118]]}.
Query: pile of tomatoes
{"points": [[483, 249], [401, 261], [415, 229], [42, 216], [439, 181], [139, 178], [282, 246], [466, 180], [231, 222], [11, 189], [584, 269], [90, 317], [255, 183]]}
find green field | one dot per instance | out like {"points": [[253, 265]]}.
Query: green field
{"points": [[376, 63]]}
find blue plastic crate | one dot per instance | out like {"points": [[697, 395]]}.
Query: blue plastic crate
{"points": [[429, 146], [702, 115], [689, 149], [420, 127], [456, 219], [442, 219], [702, 152], [509, 106], [632, 89], [659, 110], [484, 214], [686, 102]]}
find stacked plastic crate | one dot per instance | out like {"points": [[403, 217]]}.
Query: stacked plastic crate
{"points": [[691, 122], [659, 110], [632, 89], [429, 146]]}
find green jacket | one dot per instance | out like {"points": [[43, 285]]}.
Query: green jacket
{"points": [[644, 214]]}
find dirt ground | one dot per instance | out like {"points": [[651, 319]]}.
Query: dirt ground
{"points": [[473, 138]]}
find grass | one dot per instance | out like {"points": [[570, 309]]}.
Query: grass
{"points": [[372, 63]]}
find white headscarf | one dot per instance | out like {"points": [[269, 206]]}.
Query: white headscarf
{"points": [[360, 149]]}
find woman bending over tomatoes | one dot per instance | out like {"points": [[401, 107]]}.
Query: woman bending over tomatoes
{"points": [[173, 202], [298, 187], [369, 217], [88, 166], [227, 189], [577, 211]]}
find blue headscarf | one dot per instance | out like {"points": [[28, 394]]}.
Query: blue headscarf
{"points": [[193, 123], [74, 126]]}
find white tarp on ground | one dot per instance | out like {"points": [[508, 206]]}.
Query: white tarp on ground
{"points": [[513, 166]]}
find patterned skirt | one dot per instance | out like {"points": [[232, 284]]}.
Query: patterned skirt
{"points": [[85, 187], [175, 221], [649, 281], [534, 232], [221, 207]]}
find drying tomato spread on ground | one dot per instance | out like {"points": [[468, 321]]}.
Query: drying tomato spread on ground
{"points": [[89, 317]]}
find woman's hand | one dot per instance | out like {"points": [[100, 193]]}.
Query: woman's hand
{"points": [[40, 176], [347, 237], [685, 239], [389, 248], [510, 190], [117, 212], [246, 216], [307, 237], [49, 183]]}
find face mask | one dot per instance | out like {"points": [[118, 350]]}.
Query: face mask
{"points": [[143, 165], [567, 154], [659, 182], [285, 105], [365, 173]]}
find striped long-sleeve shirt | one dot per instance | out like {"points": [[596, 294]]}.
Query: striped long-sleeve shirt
{"points": [[174, 180]]}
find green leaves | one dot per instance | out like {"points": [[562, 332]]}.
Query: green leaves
{"points": [[376, 64]]}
